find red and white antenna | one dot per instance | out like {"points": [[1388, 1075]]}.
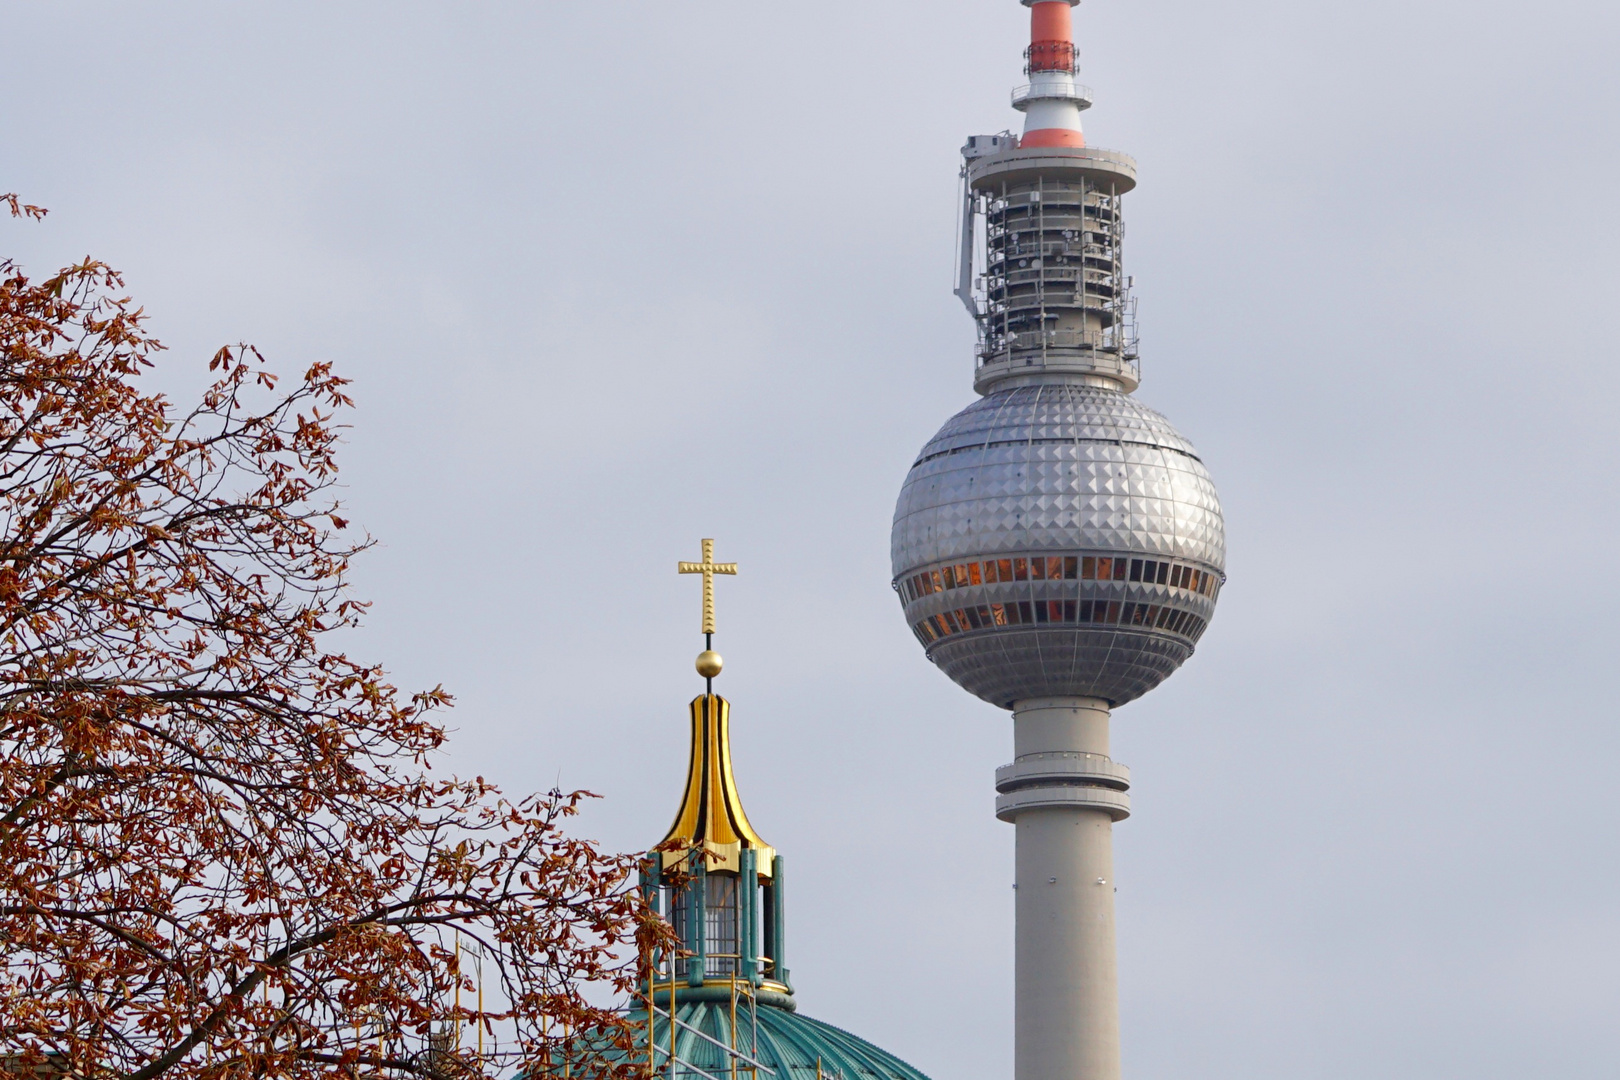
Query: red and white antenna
{"points": [[1052, 102]]}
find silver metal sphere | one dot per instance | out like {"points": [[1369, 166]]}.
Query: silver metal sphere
{"points": [[1058, 540]]}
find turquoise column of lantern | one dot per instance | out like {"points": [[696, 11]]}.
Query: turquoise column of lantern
{"points": [[747, 904], [697, 890]]}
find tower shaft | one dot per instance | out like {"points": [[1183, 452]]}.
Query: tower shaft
{"points": [[1063, 794]]}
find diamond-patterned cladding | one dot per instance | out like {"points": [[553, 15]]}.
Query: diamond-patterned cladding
{"points": [[1056, 467]]}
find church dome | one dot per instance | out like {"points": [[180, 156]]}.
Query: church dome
{"points": [[791, 1044], [721, 888]]}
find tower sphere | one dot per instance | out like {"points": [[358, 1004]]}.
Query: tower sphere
{"points": [[1058, 539]]}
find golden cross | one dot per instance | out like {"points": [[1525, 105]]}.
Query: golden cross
{"points": [[708, 568]]}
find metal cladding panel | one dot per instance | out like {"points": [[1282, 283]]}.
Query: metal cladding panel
{"points": [[1057, 467], [1005, 666]]}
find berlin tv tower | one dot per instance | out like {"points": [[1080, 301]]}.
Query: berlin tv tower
{"points": [[1057, 547]]}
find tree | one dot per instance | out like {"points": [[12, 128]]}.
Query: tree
{"points": [[222, 849]]}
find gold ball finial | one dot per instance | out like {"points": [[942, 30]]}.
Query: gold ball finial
{"points": [[709, 663]]}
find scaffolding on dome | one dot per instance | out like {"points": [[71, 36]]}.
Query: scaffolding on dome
{"points": [[663, 1054]]}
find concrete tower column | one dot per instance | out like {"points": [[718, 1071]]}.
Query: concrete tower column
{"points": [[1063, 794]]}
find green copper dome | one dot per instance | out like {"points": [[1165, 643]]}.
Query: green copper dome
{"points": [[790, 1044]]}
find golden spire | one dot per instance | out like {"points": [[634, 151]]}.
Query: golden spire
{"points": [[708, 568], [711, 813]]}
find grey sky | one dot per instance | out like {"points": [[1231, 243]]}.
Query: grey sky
{"points": [[613, 277]]}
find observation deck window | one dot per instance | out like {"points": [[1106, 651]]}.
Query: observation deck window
{"points": [[1071, 612], [1061, 568]]}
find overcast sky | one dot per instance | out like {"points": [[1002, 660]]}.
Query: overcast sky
{"points": [[610, 278]]}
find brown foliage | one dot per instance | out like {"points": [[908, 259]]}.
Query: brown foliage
{"points": [[221, 850]]}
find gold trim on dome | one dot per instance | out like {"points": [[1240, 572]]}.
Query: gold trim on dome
{"points": [[711, 813]]}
